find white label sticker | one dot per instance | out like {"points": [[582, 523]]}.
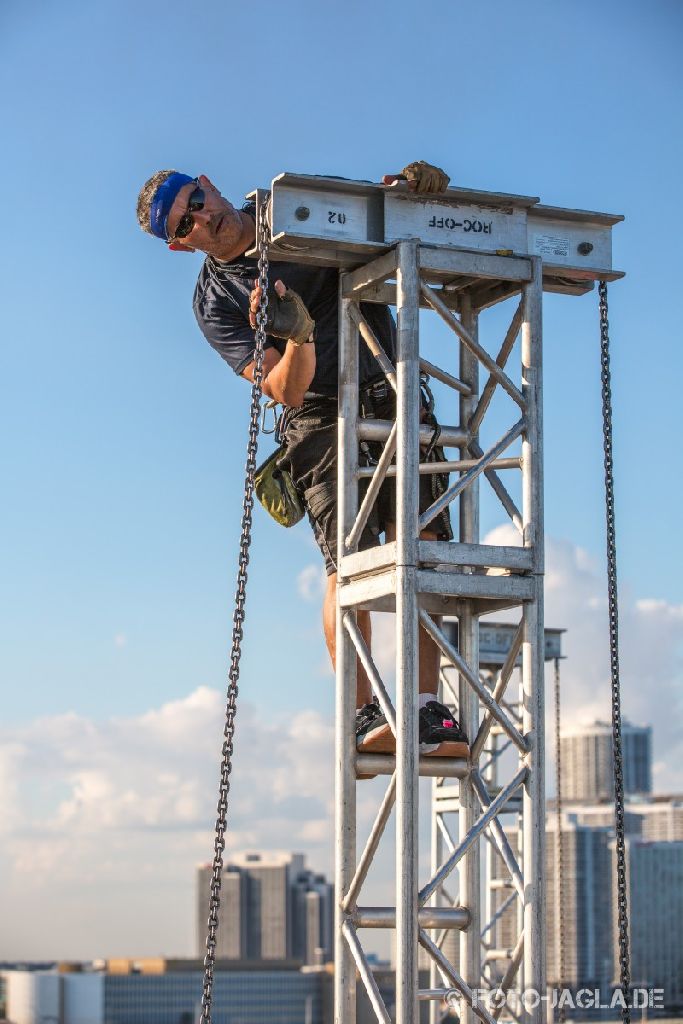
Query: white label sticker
{"points": [[551, 246]]}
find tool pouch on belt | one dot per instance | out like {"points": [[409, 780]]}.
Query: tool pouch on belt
{"points": [[276, 491]]}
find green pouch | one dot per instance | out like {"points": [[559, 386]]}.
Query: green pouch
{"points": [[276, 491]]}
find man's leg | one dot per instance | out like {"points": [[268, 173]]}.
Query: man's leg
{"points": [[440, 732], [429, 653], [363, 688]]}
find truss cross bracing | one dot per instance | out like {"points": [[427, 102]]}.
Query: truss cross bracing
{"points": [[456, 254]]}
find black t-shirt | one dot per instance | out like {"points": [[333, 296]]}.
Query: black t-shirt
{"points": [[221, 305]]}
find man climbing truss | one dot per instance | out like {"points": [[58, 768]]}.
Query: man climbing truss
{"points": [[300, 372]]}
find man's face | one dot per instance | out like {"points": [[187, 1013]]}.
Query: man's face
{"points": [[217, 228]]}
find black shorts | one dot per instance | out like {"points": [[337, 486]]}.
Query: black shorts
{"points": [[311, 436]]}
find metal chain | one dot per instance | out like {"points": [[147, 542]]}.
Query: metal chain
{"points": [[559, 860], [237, 624], [622, 896]]}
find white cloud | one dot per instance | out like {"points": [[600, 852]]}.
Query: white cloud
{"points": [[120, 640], [651, 649], [94, 810], [159, 770], [311, 582]]}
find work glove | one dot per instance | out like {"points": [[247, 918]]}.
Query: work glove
{"points": [[287, 315], [427, 178]]}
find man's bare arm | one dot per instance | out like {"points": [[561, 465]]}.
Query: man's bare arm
{"points": [[286, 378]]}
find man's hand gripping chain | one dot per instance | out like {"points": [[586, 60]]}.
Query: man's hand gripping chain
{"points": [[288, 317]]}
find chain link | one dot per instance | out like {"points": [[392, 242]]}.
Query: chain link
{"points": [[237, 624], [559, 859], [622, 895]]}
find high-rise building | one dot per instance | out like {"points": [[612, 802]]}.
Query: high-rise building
{"points": [[654, 872], [657, 818], [583, 922], [661, 817], [588, 918], [273, 908], [587, 761]]}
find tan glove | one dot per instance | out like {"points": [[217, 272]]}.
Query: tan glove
{"points": [[288, 317], [427, 178]]}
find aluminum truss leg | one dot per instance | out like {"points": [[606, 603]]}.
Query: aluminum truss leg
{"points": [[345, 745], [407, 663], [533, 663], [468, 634]]}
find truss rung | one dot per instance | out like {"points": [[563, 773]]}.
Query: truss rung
{"points": [[434, 993], [379, 589], [450, 262], [435, 468], [446, 803], [439, 552], [430, 767], [378, 430], [428, 917], [444, 553]]}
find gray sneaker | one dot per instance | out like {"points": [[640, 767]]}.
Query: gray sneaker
{"points": [[373, 733]]}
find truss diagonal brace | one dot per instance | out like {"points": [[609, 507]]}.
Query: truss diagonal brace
{"points": [[366, 974], [445, 378], [498, 834], [499, 488], [466, 479], [368, 664], [499, 913], [451, 975], [481, 691], [501, 359], [509, 975], [494, 809], [371, 846], [475, 348], [498, 691], [448, 838], [494, 757], [371, 340], [373, 489]]}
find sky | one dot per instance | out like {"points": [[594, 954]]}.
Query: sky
{"points": [[124, 433]]}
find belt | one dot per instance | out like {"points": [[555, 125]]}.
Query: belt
{"points": [[377, 390]]}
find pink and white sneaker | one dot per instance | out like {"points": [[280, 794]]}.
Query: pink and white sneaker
{"points": [[440, 732]]}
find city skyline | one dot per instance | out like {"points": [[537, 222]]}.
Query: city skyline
{"points": [[275, 910], [272, 908]]}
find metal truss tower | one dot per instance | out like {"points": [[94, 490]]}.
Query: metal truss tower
{"points": [[457, 254]]}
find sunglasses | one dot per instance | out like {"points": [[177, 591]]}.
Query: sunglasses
{"points": [[194, 204]]}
